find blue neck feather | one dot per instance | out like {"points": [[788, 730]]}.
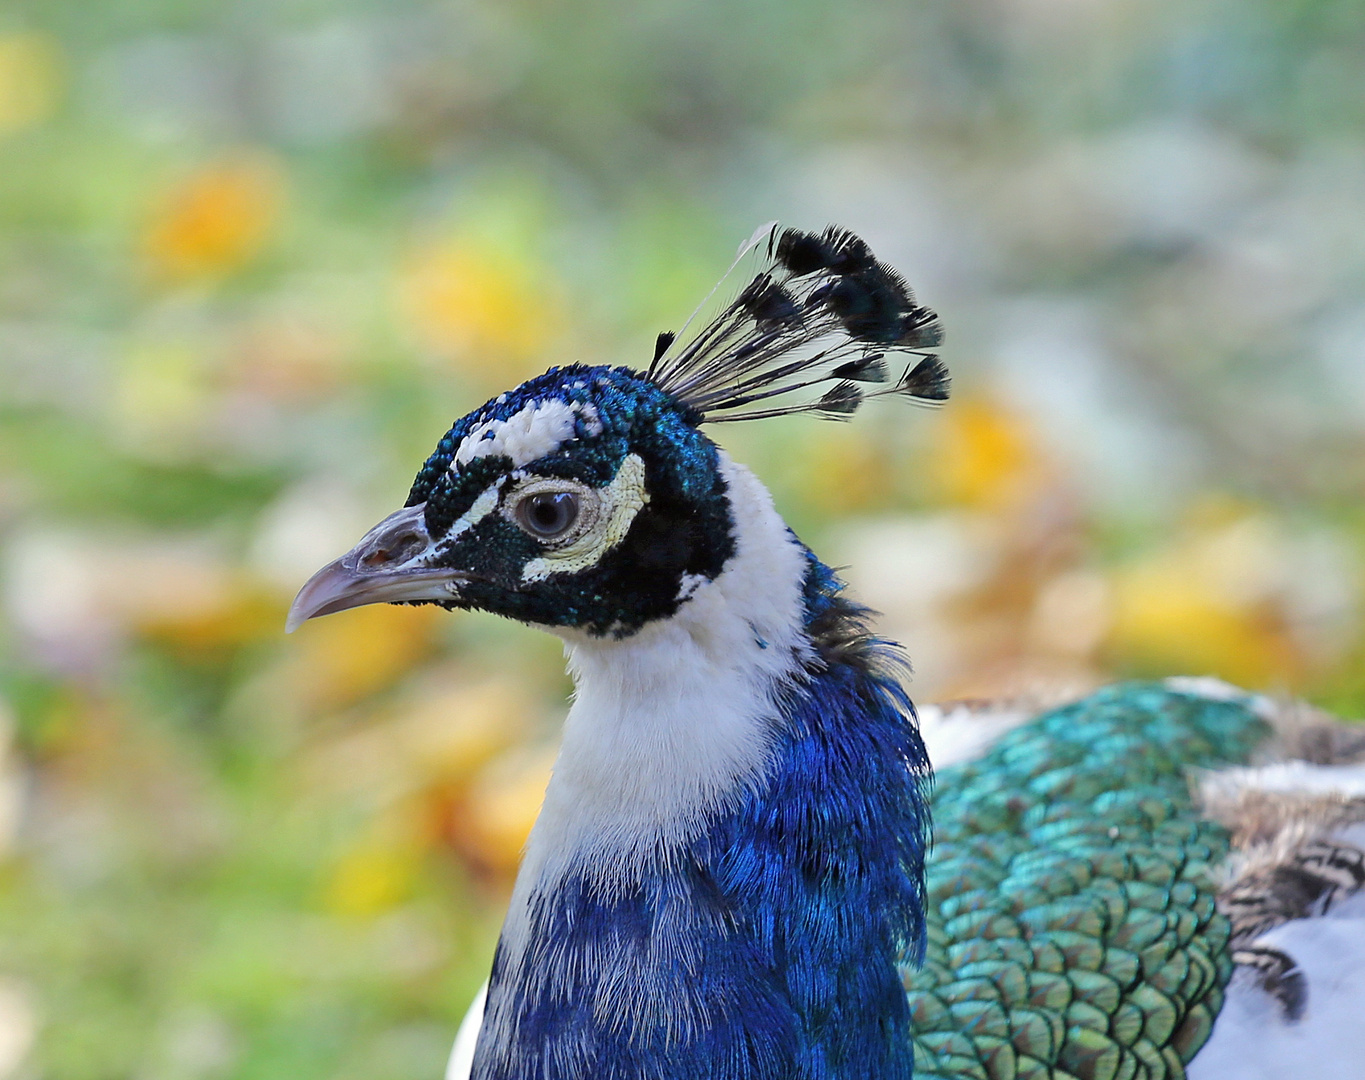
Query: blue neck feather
{"points": [[784, 919]]}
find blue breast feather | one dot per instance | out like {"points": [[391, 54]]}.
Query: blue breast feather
{"points": [[768, 945]]}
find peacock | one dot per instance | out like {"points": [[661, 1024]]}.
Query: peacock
{"points": [[745, 868]]}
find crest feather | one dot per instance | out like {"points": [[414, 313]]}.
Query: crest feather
{"points": [[821, 309]]}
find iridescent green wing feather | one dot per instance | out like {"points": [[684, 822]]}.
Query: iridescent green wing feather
{"points": [[1072, 930]]}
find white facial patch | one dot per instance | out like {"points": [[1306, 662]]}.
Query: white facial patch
{"points": [[539, 428], [617, 505]]}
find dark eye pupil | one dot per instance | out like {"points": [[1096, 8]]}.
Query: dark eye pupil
{"points": [[550, 513]]}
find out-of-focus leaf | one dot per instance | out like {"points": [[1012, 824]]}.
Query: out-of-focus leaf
{"points": [[216, 219]]}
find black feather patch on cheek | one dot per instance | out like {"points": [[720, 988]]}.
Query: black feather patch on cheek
{"points": [[493, 550], [670, 539], [636, 582]]}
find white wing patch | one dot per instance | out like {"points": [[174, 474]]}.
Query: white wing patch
{"points": [[1284, 778], [1252, 1041], [1212, 689], [537, 429], [1278, 813], [461, 1062], [955, 732]]}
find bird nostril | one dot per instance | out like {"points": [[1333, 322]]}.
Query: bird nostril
{"points": [[396, 550]]}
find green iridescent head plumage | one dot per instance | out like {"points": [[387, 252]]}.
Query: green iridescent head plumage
{"points": [[589, 497]]}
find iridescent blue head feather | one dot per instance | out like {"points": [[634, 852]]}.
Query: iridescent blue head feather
{"points": [[607, 447], [589, 497]]}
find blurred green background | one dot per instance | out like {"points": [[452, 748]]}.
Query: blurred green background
{"points": [[256, 256]]}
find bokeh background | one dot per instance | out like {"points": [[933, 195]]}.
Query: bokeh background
{"points": [[255, 257]]}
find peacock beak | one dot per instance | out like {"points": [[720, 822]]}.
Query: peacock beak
{"points": [[389, 565]]}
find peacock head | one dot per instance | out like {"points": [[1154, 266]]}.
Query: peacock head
{"points": [[590, 498]]}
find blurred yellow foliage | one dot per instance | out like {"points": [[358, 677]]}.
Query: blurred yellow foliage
{"points": [[444, 767], [1210, 603], [985, 456], [373, 877], [1167, 621], [241, 615], [11, 783], [501, 807], [1072, 614], [436, 736], [93, 588], [216, 219], [346, 657], [290, 360], [486, 309], [30, 79], [456, 728]]}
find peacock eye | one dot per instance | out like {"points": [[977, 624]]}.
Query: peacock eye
{"points": [[548, 515]]}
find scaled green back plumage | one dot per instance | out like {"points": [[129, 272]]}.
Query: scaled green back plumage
{"points": [[1071, 902]]}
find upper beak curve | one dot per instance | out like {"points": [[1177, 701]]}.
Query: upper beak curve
{"points": [[385, 567]]}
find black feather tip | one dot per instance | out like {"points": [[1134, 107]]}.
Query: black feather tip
{"points": [[661, 344], [837, 250], [769, 304], [840, 401], [822, 310], [928, 380], [871, 368]]}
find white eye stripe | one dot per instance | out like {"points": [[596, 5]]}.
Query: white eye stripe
{"points": [[616, 507], [484, 505]]}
